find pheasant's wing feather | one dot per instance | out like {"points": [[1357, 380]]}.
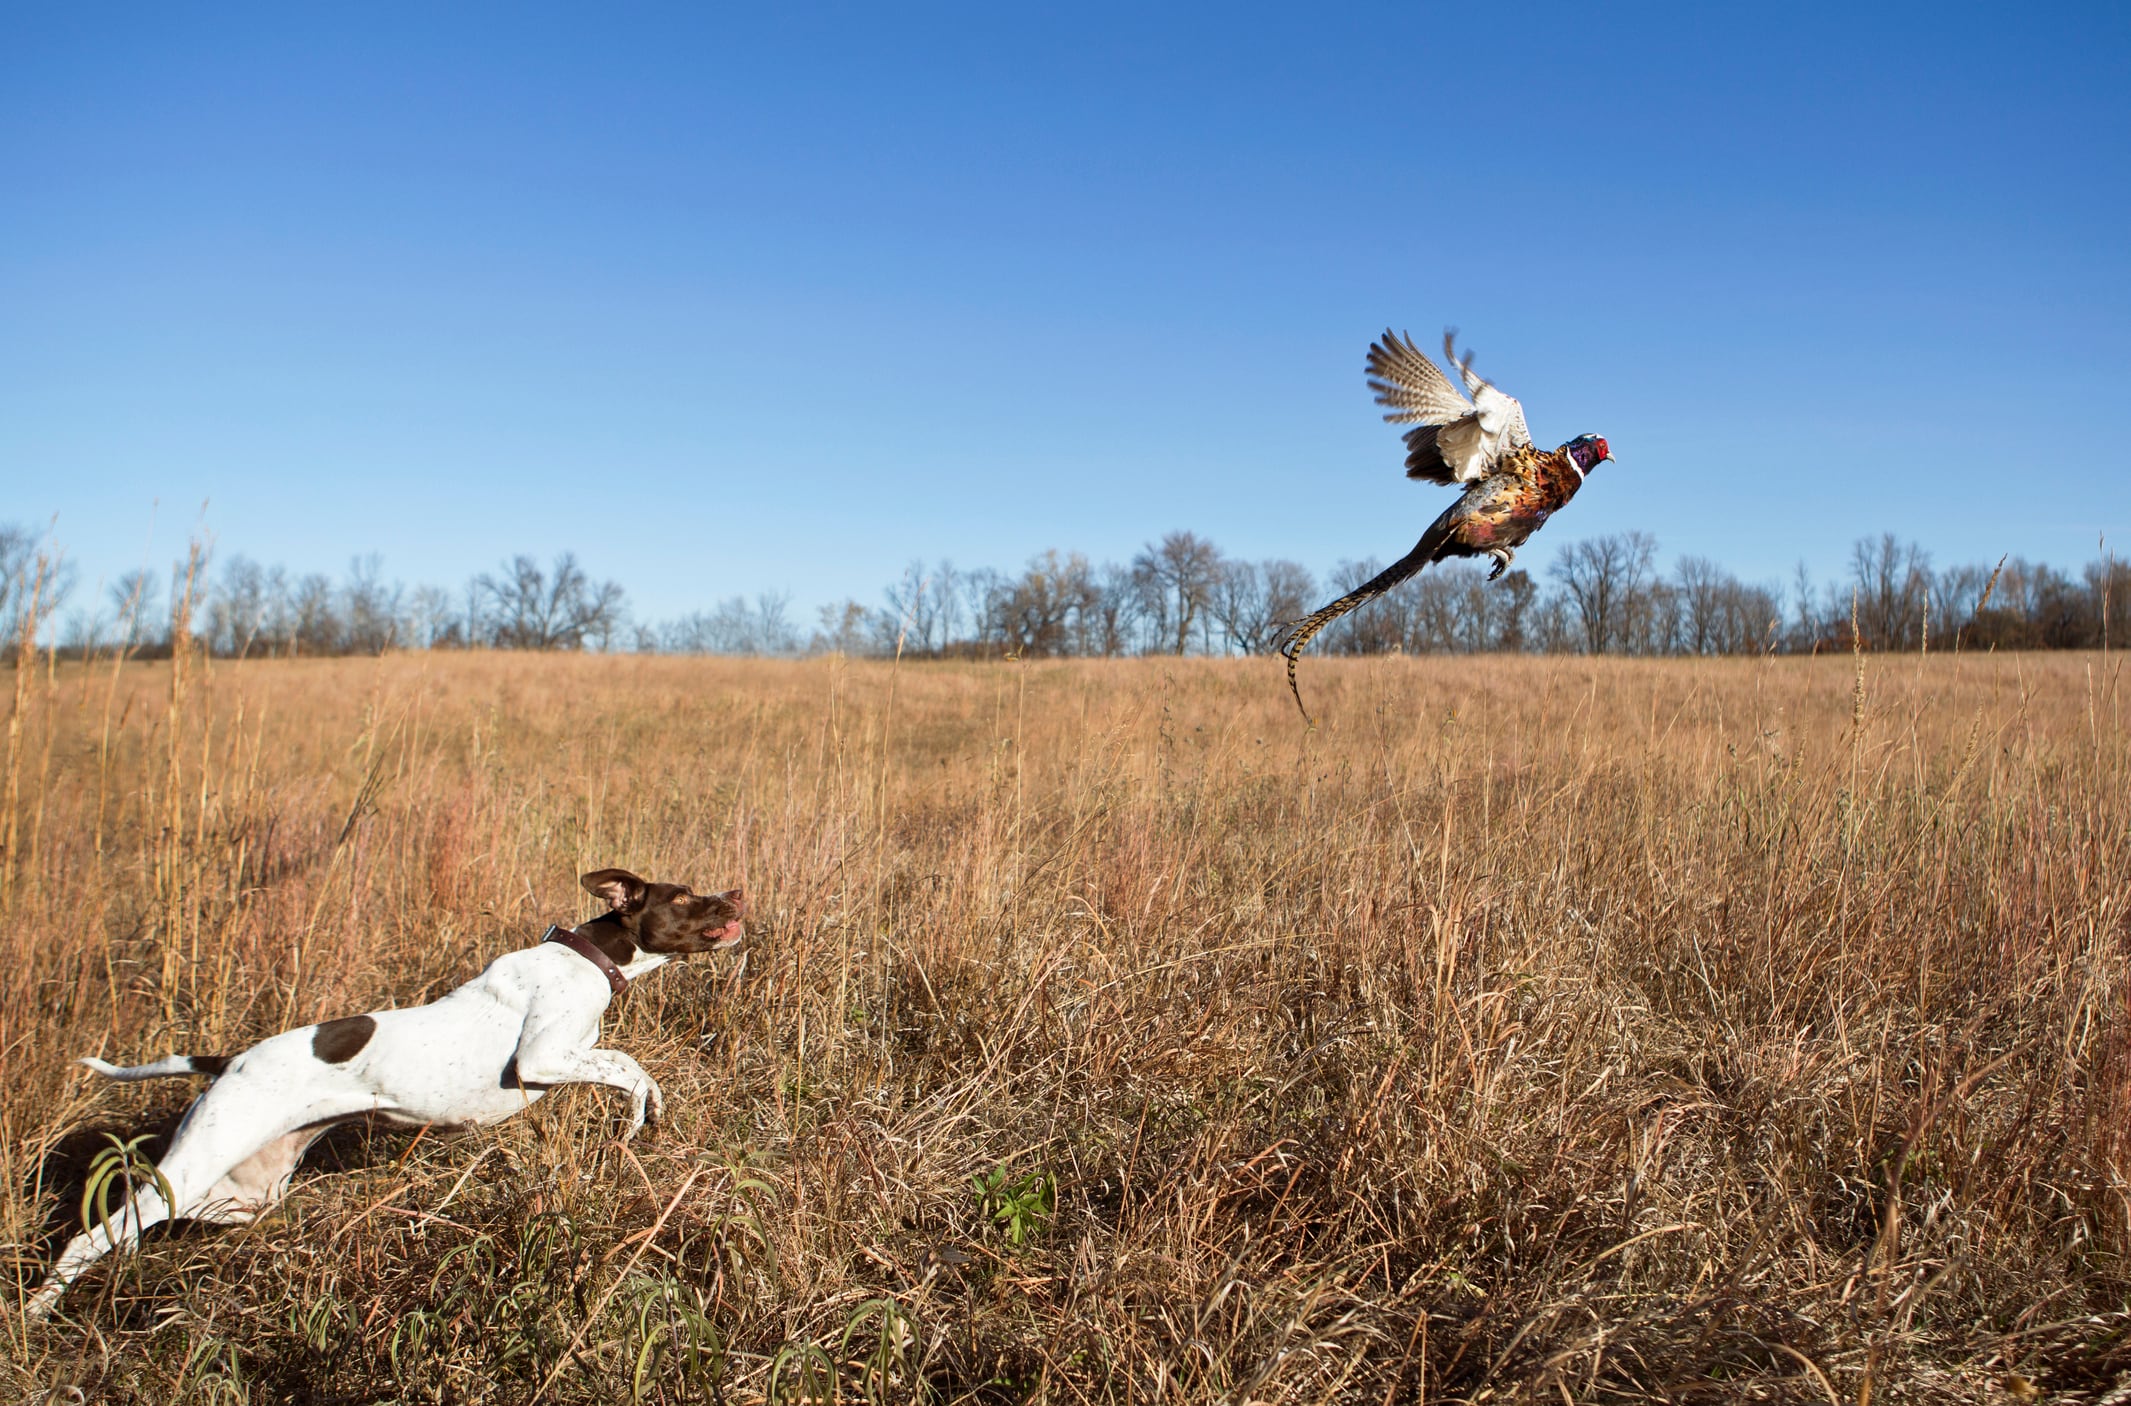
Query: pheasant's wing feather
{"points": [[1424, 455], [1462, 365], [1418, 393], [1297, 636], [1411, 386], [1465, 449], [1500, 416]]}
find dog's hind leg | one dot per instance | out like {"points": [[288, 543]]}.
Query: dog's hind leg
{"points": [[229, 1160], [145, 1207], [256, 1185]]}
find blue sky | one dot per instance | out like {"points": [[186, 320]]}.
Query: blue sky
{"points": [[735, 298]]}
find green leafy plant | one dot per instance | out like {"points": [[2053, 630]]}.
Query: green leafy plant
{"points": [[801, 1372], [882, 1328], [115, 1176], [415, 1334], [1019, 1206], [119, 1168], [674, 1332]]}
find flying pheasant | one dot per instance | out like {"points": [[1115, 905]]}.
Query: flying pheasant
{"points": [[1513, 485]]}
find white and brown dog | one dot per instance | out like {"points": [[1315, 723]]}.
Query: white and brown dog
{"points": [[528, 1023]]}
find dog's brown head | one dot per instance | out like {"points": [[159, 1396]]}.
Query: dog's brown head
{"points": [[669, 918]]}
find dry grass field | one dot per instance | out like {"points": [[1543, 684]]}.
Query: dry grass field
{"points": [[1534, 1030]]}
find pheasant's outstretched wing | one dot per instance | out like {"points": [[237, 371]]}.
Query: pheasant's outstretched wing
{"points": [[1297, 636], [1417, 393]]}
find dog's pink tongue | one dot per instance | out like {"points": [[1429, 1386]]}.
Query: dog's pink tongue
{"points": [[731, 931]]}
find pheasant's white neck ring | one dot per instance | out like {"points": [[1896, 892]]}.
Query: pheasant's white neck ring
{"points": [[1571, 457]]}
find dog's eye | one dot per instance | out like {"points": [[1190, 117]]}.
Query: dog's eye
{"points": [[683, 896]]}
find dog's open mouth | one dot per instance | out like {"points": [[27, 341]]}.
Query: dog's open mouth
{"points": [[725, 934]]}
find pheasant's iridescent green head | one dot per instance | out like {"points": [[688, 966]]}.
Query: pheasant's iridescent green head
{"points": [[1587, 452]]}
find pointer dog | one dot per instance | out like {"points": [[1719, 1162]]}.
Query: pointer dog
{"points": [[527, 1024]]}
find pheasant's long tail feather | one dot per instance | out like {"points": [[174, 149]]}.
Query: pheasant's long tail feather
{"points": [[1298, 635]]}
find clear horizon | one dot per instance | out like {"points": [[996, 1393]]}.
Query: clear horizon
{"points": [[733, 303]]}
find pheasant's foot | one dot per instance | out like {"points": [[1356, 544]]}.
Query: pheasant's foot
{"points": [[1502, 556]]}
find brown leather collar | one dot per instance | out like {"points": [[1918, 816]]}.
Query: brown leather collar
{"points": [[584, 947]]}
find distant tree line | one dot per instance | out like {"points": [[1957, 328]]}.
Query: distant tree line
{"points": [[1178, 595]]}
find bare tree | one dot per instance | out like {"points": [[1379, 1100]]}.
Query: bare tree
{"points": [[527, 608], [18, 549], [27, 561], [1115, 613], [985, 591], [1603, 577], [1238, 603], [1053, 597], [723, 629], [430, 617], [1253, 600], [1653, 619], [277, 620], [1489, 614], [1180, 572], [1434, 608], [133, 599], [1805, 620], [236, 610], [773, 631], [1554, 626], [1893, 584], [1955, 595], [35, 581], [1702, 587], [843, 629], [316, 623], [947, 595], [913, 614], [370, 610], [1513, 628]]}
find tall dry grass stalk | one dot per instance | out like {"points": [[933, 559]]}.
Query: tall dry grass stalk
{"points": [[1539, 1030]]}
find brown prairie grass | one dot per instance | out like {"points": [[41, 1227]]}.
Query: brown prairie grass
{"points": [[1534, 1030]]}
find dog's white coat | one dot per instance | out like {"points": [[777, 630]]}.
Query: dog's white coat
{"points": [[532, 1014]]}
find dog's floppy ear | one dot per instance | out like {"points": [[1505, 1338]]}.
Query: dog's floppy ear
{"points": [[623, 891]]}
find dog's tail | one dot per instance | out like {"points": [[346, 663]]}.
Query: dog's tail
{"points": [[175, 1067]]}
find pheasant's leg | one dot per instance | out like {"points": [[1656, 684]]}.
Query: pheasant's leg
{"points": [[1503, 557]]}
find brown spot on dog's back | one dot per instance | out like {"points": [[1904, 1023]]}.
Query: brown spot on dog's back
{"points": [[211, 1064], [338, 1041]]}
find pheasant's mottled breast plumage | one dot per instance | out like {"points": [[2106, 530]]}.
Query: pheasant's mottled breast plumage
{"points": [[1504, 509]]}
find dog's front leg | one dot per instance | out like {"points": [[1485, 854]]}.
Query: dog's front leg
{"points": [[551, 1066]]}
